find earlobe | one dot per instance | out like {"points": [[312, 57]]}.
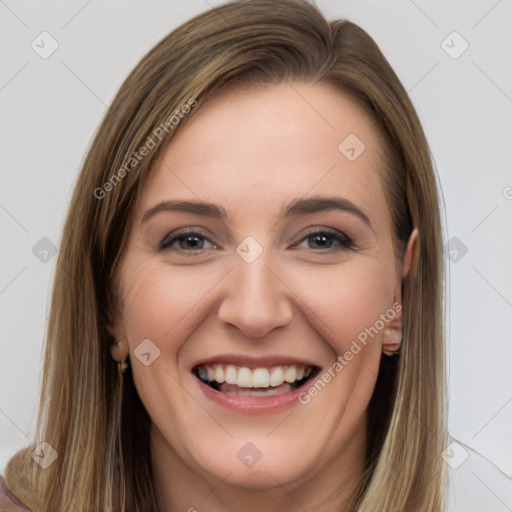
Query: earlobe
{"points": [[119, 351], [392, 336]]}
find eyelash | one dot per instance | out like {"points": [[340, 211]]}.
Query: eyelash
{"points": [[344, 241], [168, 242]]}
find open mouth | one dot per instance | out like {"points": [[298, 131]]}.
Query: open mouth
{"points": [[243, 381]]}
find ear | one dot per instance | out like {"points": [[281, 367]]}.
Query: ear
{"points": [[410, 252], [119, 348], [392, 335]]}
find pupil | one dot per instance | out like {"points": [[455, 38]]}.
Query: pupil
{"points": [[190, 242], [321, 241]]}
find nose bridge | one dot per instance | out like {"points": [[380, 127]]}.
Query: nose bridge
{"points": [[256, 301]]}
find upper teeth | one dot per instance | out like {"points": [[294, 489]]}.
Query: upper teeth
{"points": [[253, 378]]}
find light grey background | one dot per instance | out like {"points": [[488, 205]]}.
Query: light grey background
{"points": [[50, 108]]}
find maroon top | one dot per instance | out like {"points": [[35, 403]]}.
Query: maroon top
{"points": [[8, 501]]}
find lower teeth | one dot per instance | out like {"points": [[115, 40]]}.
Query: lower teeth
{"points": [[235, 390]]}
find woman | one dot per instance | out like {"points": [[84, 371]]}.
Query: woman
{"points": [[247, 305]]}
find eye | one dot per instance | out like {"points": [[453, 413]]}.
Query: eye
{"points": [[187, 241], [326, 240]]}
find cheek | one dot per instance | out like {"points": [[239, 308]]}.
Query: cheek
{"points": [[348, 300], [160, 305], [344, 304], [157, 300]]}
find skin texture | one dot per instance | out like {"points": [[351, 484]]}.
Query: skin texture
{"points": [[253, 153]]}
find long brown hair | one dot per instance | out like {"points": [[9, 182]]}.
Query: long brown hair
{"points": [[94, 418]]}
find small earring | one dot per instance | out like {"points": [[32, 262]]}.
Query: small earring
{"points": [[392, 341], [123, 365]]}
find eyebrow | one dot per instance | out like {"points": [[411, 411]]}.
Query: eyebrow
{"points": [[295, 208], [195, 207], [321, 204]]}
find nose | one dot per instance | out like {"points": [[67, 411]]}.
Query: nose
{"points": [[256, 299]]}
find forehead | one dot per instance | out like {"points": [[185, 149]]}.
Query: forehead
{"points": [[255, 149]]}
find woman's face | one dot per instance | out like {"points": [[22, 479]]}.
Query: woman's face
{"points": [[261, 252]]}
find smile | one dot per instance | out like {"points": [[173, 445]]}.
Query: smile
{"points": [[253, 382]]}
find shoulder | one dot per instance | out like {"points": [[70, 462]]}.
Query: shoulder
{"points": [[8, 501]]}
